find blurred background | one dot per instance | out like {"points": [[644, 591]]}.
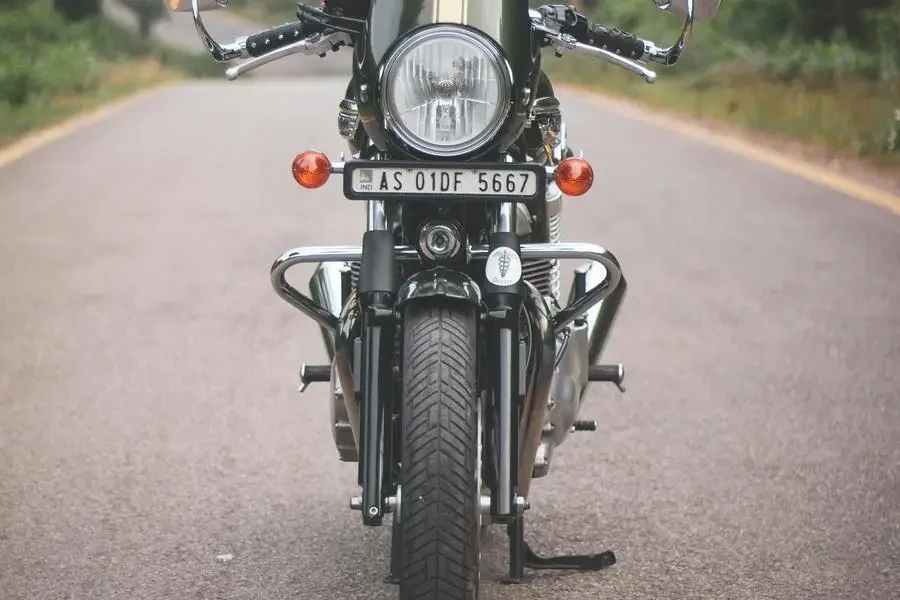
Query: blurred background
{"points": [[826, 73]]}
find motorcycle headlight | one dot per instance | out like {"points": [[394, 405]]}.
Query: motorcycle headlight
{"points": [[446, 91]]}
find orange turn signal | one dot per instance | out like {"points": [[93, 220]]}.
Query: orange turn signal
{"points": [[574, 176], [311, 169]]}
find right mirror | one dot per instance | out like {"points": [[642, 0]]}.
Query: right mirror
{"points": [[186, 5], [704, 10]]}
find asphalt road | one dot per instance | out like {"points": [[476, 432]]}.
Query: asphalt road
{"points": [[149, 419]]}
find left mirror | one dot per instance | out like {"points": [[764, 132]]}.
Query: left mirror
{"points": [[704, 10], [187, 5]]}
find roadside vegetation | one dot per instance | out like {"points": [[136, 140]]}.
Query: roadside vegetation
{"points": [[821, 72], [269, 12], [58, 60]]}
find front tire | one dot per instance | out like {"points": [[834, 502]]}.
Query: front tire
{"points": [[440, 485]]}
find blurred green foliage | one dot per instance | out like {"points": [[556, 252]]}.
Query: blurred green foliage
{"points": [[76, 10], [148, 12], [272, 12], [49, 64], [826, 71]]}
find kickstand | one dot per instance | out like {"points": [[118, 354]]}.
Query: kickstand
{"points": [[574, 562], [521, 556]]}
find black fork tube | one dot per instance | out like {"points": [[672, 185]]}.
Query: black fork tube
{"points": [[504, 297], [377, 292]]}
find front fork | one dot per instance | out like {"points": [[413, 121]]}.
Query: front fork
{"points": [[504, 361], [374, 371]]}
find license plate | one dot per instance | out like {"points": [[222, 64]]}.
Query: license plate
{"points": [[467, 182]]}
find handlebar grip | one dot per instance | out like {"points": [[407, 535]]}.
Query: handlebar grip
{"points": [[261, 43], [614, 40]]}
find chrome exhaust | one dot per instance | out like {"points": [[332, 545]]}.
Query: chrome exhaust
{"points": [[538, 378], [326, 290]]}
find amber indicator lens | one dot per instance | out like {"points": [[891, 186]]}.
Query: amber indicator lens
{"points": [[574, 176], [311, 169]]}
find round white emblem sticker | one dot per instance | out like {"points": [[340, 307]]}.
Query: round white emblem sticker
{"points": [[504, 267]]}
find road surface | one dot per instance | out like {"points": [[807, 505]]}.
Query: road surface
{"points": [[153, 444]]}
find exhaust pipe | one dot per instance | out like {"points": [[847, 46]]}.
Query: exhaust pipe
{"points": [[602, 316], [538, 378]]}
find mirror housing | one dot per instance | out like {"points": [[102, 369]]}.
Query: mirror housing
{"points": [[704, 10], [188, 5]]}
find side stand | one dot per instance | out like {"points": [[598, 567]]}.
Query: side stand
{"points": [[521, 556]]}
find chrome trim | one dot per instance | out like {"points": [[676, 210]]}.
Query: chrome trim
{"points": [[314, 45], [566, 44], [428, 238], [570, 379], [562, 251], [669, 56], [578, 250], [485, 44], [376, 218], [219, 53], [539, 369], [325, 290], [348, 118], [310, 254], [504, 218], [439, 281], [601, 317]]}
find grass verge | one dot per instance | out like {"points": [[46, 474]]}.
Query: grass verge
{"points": [[850, 117], [51, 69]]}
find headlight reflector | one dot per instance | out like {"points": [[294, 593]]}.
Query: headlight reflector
{"points": [[446, 91]]}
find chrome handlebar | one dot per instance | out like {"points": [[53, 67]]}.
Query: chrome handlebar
{"points": [[220, 53], [314, 45], [562, 43]]}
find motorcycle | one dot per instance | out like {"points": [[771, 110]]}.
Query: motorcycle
{"points": [[456, 368]]}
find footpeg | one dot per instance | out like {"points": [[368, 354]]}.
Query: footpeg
{"points": [[614, 374], [585, 426], [314, 374]]}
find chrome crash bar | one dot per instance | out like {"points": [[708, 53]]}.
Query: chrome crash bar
{"points": [[561, 251]]}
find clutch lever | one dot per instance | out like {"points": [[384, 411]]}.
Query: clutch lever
{"points": [[316, 44]]}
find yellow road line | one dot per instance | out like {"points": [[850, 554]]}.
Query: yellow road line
{"points": [[39, 139], [789, 164]]}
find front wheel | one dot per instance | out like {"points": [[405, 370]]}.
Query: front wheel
{"points": [[440, 428]]}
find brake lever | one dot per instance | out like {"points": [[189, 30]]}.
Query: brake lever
{"points": [[317, 44], [566, 44]]}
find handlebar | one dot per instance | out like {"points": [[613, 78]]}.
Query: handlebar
{"points": [[620, 42], [569, 32], [277, 37], [560, 27]]}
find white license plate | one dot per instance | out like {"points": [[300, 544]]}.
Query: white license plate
{"points": [[440, 181]]}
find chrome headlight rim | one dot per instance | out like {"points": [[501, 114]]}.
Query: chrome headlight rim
{"points": [[387, 81]]}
